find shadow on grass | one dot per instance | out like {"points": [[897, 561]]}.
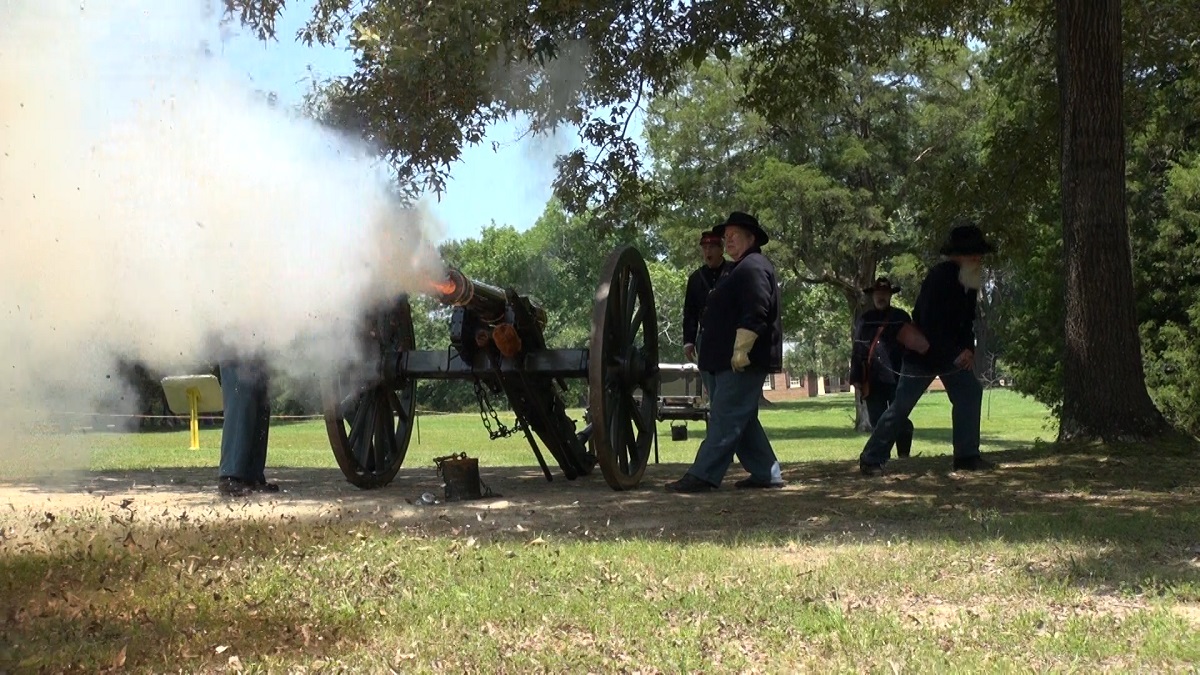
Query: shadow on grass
{"points": [[819, 403], [1135, 509], [929, 434]]}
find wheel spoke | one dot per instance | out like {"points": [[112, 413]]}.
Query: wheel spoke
{"points": [[630, 299], [385, 434], [616, 420], [348, 408], [639, 420], [616, 327], [635, 323], [402, 411], [633, 458], [362, 431]]}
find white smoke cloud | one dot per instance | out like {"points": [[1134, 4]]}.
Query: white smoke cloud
{"points": [[153, 205]]}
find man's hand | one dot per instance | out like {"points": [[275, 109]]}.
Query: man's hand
{"points": [[912, 338], [741, 349], [689, 352], [966, 360]]}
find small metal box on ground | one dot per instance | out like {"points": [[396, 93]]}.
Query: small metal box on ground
{"points": [[460, 475]]}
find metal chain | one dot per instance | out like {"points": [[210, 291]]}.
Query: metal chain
{"points": [[485, 409]]}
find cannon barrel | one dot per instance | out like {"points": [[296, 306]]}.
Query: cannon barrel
{"points": [[459, 290]]}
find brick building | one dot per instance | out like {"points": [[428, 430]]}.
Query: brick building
{"points": [[786, 386]]}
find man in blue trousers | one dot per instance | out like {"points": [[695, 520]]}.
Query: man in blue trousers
{"points": [[244, 393], [743, 342], [943, 347]]}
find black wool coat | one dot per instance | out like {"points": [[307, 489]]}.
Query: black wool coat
{"points": [[945, 313], [747, 296], [699, 285]]}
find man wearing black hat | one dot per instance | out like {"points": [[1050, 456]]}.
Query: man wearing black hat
{"points": [[876, 357], [943, 346], [743, 342], [699, 285]]}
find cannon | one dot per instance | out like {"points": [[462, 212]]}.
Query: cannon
{"points": [[497, 341]]}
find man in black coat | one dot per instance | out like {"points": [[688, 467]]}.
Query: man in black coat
{"points": [[876, 357], [943, 346], [699, 285], [743, 342]]}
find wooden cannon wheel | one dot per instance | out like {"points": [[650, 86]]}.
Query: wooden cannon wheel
{"points": [[368, 417], [623, 369]]}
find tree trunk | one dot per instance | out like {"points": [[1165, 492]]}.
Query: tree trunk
{"points": [[1104, 392]]}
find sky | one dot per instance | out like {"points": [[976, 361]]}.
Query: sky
{"points": [[510, 186]]}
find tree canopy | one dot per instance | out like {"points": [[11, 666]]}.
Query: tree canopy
{"points": [[857, 130]]}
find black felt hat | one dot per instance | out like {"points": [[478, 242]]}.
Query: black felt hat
{"points": [[881, 284], [966, 240], [746, 221]]}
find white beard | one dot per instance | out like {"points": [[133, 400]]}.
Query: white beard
{"points": [[970, 276]]}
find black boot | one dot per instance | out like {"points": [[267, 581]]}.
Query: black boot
{"points": [[870, 469], [975, 463], [689, 484]]}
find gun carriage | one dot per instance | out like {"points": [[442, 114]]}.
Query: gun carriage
{"points": [[497, 341]]}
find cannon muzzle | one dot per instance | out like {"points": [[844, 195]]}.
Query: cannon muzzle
{"points": [[458, 290]]}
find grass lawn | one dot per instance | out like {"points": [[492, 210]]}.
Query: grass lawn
{"points": [[812, 429], [1080, 560]]}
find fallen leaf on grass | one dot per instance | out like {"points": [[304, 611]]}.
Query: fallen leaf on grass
{"points": [[221, 649], [119, 659]]}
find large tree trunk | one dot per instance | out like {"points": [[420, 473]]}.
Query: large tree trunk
{"points": [[1104, 393]]}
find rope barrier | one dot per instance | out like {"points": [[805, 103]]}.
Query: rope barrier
{"points": [[201, 417], [991, 357]]}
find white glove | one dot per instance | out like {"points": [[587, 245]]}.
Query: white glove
{"points": [[741, 349]]}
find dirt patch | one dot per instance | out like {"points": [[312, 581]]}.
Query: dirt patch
{"points": [[522, 497], [921, 499], [1189, 612]]}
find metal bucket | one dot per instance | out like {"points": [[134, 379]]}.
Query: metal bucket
{"points": [[460, 476], [679, 433]]}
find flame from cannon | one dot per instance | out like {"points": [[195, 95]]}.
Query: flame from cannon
{"points": [[452, 289], [447, 286]]}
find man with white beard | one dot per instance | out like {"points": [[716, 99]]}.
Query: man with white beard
{"points": [[943, 346]]}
